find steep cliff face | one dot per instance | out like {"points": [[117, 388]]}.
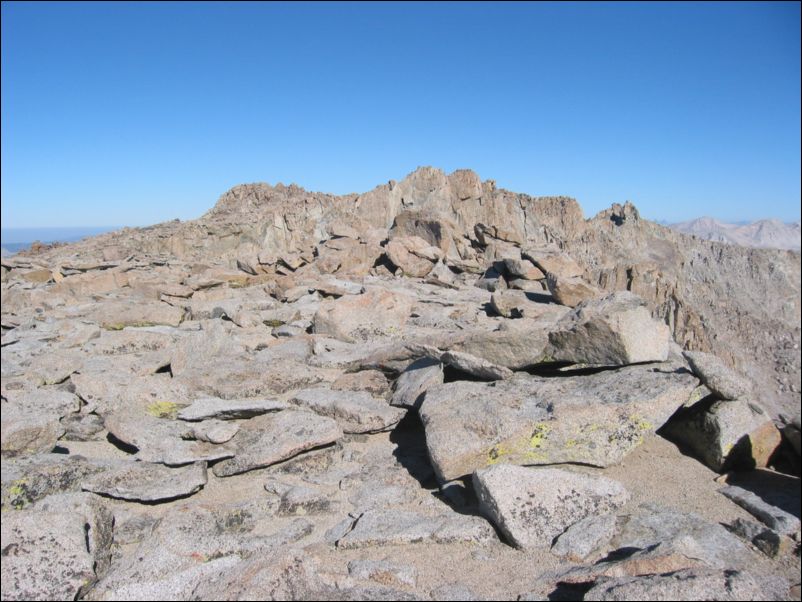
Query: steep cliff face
{"points": [[742, 304]]}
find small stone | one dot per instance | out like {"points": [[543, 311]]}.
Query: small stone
{"points": [[775, 518], [763, 538], [476, 366]]}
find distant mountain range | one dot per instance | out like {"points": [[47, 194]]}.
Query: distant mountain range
{"points": [[14, 240], [765, 233]]}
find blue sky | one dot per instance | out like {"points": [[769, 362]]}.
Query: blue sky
{"points": [[130, 114]]}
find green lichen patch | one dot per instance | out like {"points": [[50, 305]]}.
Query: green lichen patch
{"points": [[539, 435], [163, 409], [17, 496]]}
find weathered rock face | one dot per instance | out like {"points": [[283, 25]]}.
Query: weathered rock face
{"points": [[46, 555], [413, 255], [374, 313], [614, 331], [571, 291], [531, 506], [656, 551], [595, 419]]}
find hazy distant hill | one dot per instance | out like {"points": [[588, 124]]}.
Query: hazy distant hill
{"points": [[14, 240], [766, 233]]}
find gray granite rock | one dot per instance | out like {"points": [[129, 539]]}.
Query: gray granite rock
{"points": [[594, 419], [571, 291], [301, 499], [522, 268], [271, 438], [396, 527], [765, 539], [458, 592], [212, 431], [775, 518], [584, 537], [159, 438], [354, 411], [615, 330], [722, 380], [413, 255], [413, 382], [475, 366], [653, 539], [726, 434], [691, 584], [228, 409], [28, 479], [370, 381], [22, 433], [280, 574], [41, 401], [45, 556], [385, 572], [793, 433], [116, 316], [512, 303], [550, 259], [98, 523], [145, 482], [516, 348], [82, 426], [196, 548], [360, 317], [532, 506]]}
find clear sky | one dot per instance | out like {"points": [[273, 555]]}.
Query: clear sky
{"points": [[130, 114]]}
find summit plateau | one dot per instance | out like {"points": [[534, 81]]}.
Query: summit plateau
{"points": [[437, 389]]}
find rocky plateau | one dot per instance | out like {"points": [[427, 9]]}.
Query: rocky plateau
{"points": [[435, 390]]}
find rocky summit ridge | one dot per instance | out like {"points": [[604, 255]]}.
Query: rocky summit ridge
{"points": [[437, 389]]}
